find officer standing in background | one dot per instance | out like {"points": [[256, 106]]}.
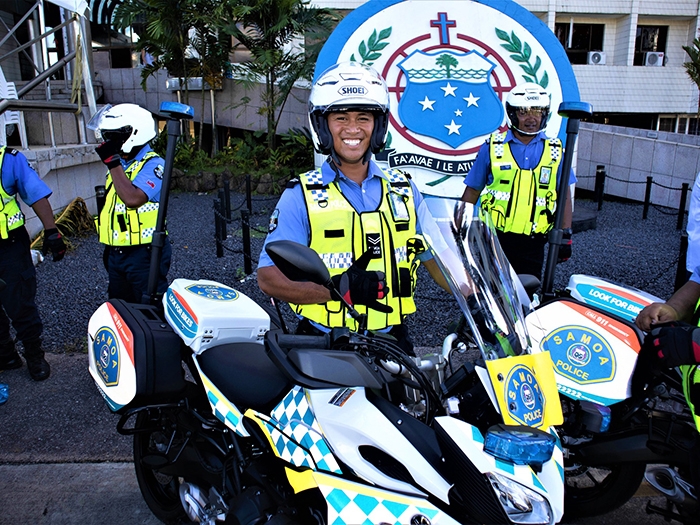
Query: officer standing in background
{"points": [[17, 298], [127, 221], [519, 170], [360, 219]]}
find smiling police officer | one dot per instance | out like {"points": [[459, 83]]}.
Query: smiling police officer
{"points": [[359, 218]]}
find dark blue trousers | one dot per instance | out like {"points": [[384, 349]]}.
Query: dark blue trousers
{"points": [[128, 268], [18, 297]]}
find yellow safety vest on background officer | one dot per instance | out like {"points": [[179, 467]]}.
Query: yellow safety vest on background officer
{"points": [[522, 201], [347, 234], [11, 215], [118, 225]]}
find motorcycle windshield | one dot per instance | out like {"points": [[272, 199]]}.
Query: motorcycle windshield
{"points": [[466, 249]]}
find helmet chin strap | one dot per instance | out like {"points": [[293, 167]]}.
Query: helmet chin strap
{"points": [[335, 163]]}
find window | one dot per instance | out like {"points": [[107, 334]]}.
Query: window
{"points": [[579, 39], [667, 124], [650, 39]]}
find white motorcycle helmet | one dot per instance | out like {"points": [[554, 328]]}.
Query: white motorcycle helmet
{"points": [[348, 86], [129, 124], [527, 96]]}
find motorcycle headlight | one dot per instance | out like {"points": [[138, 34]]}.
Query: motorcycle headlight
{"points": [[519, 444], [521, 504]]}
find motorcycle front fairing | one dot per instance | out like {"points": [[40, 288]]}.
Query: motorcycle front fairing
{"points": [[519, 381]]}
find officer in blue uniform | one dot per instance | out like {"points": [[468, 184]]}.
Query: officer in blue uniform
{"points": [[127, 221], [515, 174], [16, 266], [347, 206]]}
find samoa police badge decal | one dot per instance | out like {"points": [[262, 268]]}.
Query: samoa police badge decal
{"points": [[524, 397], [106, 352], [580, 354]]}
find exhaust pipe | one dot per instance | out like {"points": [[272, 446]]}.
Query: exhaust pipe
{"points": [[667, 481]]}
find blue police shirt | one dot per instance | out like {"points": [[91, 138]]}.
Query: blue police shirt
{"points": [[18, 177], [290, 220], [150, 178], [526, 155]]}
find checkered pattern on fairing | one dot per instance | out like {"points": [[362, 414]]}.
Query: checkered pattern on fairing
{"points": [[222, 408], [524, 472], [368, 506], [297, 436], [337, 260], [556, 149]]}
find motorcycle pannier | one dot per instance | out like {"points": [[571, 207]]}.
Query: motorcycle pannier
{"points": [[134, 355]]}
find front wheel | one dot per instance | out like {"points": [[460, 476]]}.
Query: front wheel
{"points": [[161, 492], [591, 491]]}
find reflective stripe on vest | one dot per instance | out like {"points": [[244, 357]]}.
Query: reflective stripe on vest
{"points": [[522, 201], [340, 235], [118, 225], [11, 215]]}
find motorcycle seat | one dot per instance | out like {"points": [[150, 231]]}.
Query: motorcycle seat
{"points": [[245, 375]]}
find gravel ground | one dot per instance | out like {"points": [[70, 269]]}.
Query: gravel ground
{"points": [[623, 248]]}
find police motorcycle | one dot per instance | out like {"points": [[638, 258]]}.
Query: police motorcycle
{"points": [[235, 420], [622, 422]]}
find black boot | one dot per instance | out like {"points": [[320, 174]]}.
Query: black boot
{"points": [[9, 358], [39, 369]]}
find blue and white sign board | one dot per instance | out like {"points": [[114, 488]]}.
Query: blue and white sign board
{"points": [[449, 66]]}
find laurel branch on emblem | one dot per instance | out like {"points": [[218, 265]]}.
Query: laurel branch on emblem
{"points": [[370, 51], [522, 53]]}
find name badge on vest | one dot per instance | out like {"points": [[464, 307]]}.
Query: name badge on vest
{"points": [[374, 245], [398, 207], [545, 174]]}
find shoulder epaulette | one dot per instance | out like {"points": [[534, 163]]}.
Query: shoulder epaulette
{"points": [[292, 182], [11, 151]]}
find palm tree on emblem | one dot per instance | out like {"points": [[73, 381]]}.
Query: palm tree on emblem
{"points": [[447, 61]]}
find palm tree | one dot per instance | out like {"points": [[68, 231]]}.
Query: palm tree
{"points": [[692, 68], [447, 61], [269, 29]]}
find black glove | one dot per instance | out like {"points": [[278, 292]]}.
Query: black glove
{"points": [[109, 153], [675, 344], [358, 286], [53, 241], [565, 246]]}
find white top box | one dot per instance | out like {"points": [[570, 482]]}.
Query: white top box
{"points": [[206, 314]]}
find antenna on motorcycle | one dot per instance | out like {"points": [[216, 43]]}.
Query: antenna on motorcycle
{"points": [[174, 112], [574, 111], [302, 264]]}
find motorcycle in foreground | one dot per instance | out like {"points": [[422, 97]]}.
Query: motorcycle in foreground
{"points": [[233, 419]]}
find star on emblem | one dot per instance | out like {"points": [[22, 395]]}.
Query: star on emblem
{"points": [[458, 112], [427, 103], [453, 128], [472, 100], [449, 89]]}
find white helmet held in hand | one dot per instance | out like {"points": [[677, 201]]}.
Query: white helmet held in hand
{"points": [[129, 124], [348, 86], [527, 97]]}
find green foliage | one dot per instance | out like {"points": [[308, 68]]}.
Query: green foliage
{"points": [[268, 29], [521, 52], [370, 51], [447, 61], [692, 67]]}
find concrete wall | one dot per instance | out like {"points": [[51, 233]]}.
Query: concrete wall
{"points": [[124, 85], [70, 171], [631, 155]]}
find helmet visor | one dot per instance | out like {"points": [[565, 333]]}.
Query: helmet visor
{"points": [[531, 112]]}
